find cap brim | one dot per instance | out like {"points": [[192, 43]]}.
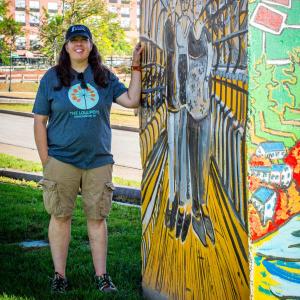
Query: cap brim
{"points": [[74, 34]]}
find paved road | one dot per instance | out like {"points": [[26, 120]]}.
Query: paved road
{"points": [[17, 132]]}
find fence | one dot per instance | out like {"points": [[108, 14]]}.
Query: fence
{"points": [[44, 63], [30, 69]]}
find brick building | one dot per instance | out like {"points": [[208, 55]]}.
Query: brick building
{"points": [[29, 14], [128, 12]]}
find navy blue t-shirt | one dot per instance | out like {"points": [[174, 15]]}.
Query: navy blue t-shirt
{"points": [[78, 129]]}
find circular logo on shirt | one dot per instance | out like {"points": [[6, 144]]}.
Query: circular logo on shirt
{"points": [[83, 98]]}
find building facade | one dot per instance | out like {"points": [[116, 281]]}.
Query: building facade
{"points": [[128, 12], [30, 13]]}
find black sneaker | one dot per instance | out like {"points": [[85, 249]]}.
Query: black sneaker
{"points": [[59, 284], [105, 284]]}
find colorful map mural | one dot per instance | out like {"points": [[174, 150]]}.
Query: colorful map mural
{"points": [[273, 146], [193, 149]]}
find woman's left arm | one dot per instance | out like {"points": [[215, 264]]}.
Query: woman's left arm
{"points": [[131, 99]]}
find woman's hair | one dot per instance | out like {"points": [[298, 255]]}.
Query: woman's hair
{"points": [[65, 76]]}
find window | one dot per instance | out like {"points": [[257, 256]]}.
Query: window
{"points": [[125, 11], [34, 18], [125, 22], [113, 9], [20, 4], [52, 6], [20, 16], [138, 23], [20, 43], [34, 42], [113, 1], [138, 11], [34, 5]]}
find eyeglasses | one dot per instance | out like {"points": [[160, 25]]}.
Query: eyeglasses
{"points": [[83, 84]]}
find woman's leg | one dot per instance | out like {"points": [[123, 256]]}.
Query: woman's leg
{"points": [[97, 231], [59, 238]]}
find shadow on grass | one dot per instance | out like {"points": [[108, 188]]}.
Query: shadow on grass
{"points": [[25, 272]]}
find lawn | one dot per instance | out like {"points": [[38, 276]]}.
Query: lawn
{"points": [[24, 272], [12, 162], [20, 87]]}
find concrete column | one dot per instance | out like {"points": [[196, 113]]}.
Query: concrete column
{"points": [[220, 149]]}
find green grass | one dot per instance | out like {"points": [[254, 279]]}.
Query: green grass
{"points": [[12, 162], [24, 273], [23, 182], [16, 107]]}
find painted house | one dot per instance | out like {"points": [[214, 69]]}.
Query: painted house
{"points": [[261, 172], [279, 174], [271, 150], [264, 201]]}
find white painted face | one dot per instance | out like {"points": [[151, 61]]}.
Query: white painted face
{"points": [[198, 6], [165, 3], [172, 5]]}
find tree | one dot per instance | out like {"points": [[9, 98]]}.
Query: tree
{"points": [[4, 51], [108, 36], [9, 30]]}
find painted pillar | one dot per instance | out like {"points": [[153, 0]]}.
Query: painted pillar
{"points": [[218, 169], [273, 148]]}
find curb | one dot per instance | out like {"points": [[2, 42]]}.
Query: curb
{"points": [[16, 113], [30, 115], [16, 97], [121, 194]]}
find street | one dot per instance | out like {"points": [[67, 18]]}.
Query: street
{"points": [[16, 136]]}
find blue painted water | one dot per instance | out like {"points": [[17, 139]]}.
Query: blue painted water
{"points": [[280, 256]]}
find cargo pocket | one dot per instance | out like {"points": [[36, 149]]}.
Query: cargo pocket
{"points": [[107, 198], [50, 196]]}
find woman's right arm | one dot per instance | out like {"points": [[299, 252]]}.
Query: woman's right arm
{"points": [[40, 136]]}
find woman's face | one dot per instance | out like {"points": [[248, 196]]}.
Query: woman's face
{"points": [[79, 48]]}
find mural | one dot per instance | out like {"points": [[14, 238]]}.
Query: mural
{"points": [[274, 148], [193, 149]]}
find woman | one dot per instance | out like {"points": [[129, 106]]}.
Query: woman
{"points": [[73, 137]]}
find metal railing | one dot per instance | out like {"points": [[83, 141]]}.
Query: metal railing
{"points": [[41, 63]]}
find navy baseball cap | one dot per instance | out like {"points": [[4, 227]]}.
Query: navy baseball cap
{"points": [[78, 30]]}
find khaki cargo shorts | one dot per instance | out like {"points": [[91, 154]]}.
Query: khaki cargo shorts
{"points": [[61, 184]]}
